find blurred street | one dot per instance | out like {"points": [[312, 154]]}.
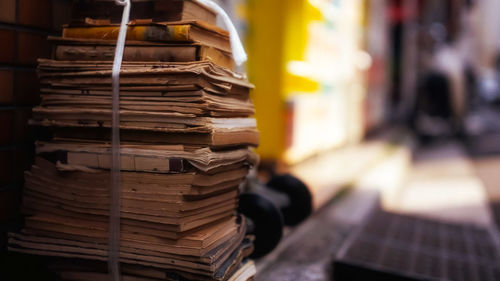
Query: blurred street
{"points": [[442, 183]]}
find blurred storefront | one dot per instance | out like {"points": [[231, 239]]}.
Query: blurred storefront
{"points": [[320, 72]]}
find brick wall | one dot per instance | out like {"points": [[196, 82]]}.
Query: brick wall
{"points": [[24, 26]]}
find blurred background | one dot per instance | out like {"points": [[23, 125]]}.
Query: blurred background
{"points": [[333, 77], [389, 111], [342, 70], [386, 103], [391, 105]]}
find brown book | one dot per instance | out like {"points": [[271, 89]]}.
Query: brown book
{"points": [[177, 125], [146, 158], [199, 103], [104, 50], [173, 122], [139, 260], [149, 127], [189, 183], [186, 200], [158, 11], [158, 254], [89, 77], [215, 138], [206, 239], [183, 31]]}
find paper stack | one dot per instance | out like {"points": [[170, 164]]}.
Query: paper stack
{"points": [[187, 134]]}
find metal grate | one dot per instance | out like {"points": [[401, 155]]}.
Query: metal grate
{"points": [[400, 247]]}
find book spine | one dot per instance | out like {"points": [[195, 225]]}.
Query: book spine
{"points": [[131, 53], [179, 32], [136, 163], [102, 33], [218, 57], [140, 33]]}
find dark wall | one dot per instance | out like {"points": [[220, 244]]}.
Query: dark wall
{"points": [[24, 26]]}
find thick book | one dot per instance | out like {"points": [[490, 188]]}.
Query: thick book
{"points": [[188, 185], [183, 201], [88, 260], [158, 11], [168, 122], [68, 49], [183, 31], [246, 271], [147, 127], [224, 124], [62, 226], [146, 158], [199, 103], [220, 138], [207, 261], [91, 76], [166, 223]]}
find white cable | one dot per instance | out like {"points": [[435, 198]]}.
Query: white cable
{"points": [[239, 53], [115, 192]]}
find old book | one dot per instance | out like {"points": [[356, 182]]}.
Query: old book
{"points": [[182, 31], [95, 229], [134, 208], [134, 225], [199, 103], [180, 93], [209, 238], [158, 11], [214, 132], [140, 158], [95, 199], [142, 76], [184, 201], [211, 260], [90, 263], [177, 121], [164, 121], [188, 183], [245, 273], [220, 138], [68, 49]]}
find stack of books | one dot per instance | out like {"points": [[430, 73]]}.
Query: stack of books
{"points": [[187, 132]]}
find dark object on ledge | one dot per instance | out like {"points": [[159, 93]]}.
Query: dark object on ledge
{"points": [[284, 200]]}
